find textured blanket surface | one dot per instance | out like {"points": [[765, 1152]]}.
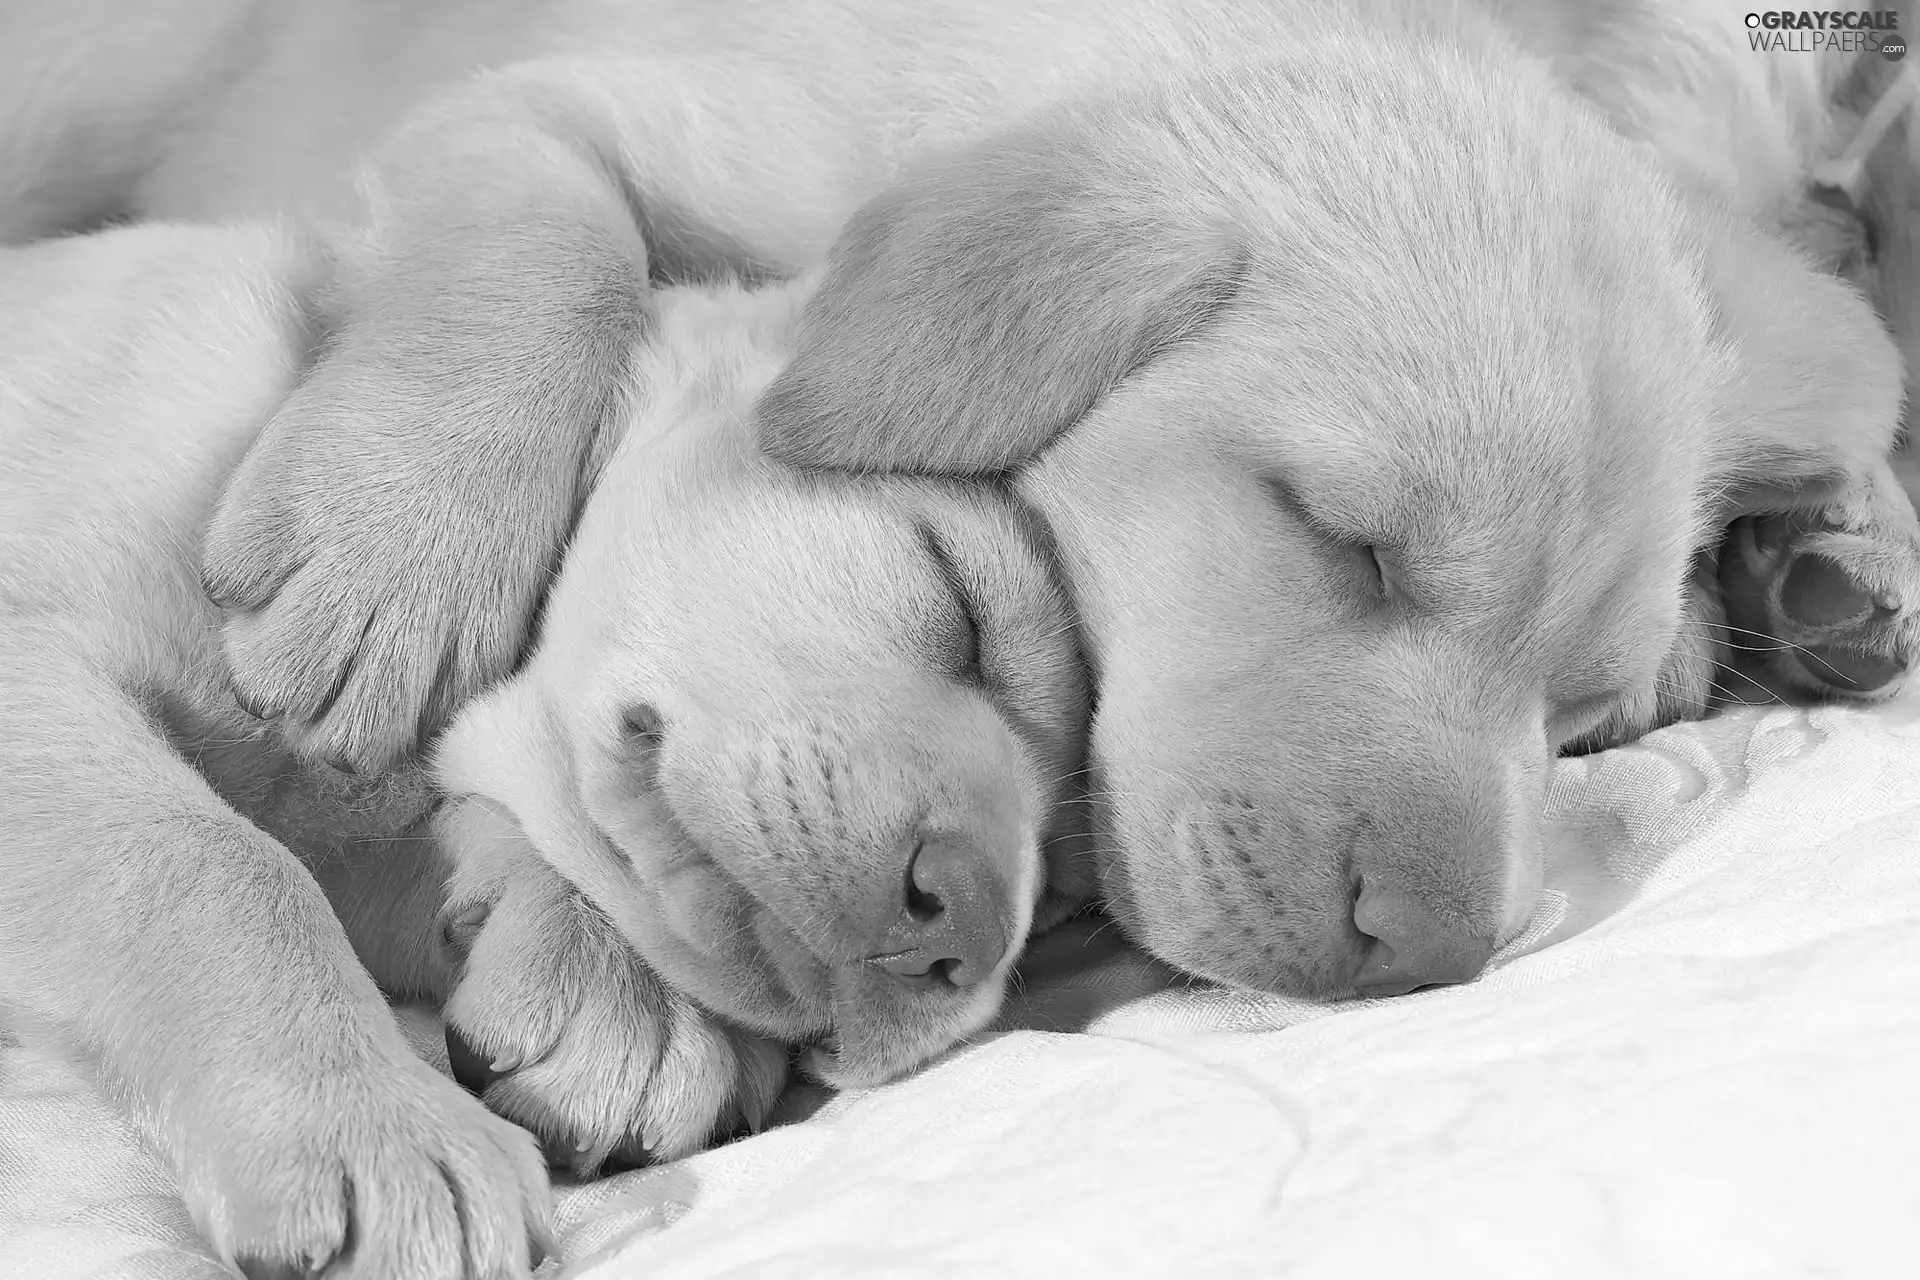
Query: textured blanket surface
{"points": [[1703, 1059]]}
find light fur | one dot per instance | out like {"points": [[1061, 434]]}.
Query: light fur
{"points": [[161, 888], [812, 694], [1652, 353], [1535, 389], [604, 142], [601, 142], [1377, 283], [143, 916]]}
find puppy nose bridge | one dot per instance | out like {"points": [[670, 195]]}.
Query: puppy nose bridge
{"points": [[1438, 893], [1412, 945], [948, 923], [1467, 836]]}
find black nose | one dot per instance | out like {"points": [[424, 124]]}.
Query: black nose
{"points": [[952, 926], [1413, 945]]}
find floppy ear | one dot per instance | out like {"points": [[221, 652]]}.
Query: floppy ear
{"points": [[984, 304], [1813, 398]]}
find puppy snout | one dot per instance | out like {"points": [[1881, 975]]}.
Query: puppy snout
{"points": [[1412, 945], [951, 925]]}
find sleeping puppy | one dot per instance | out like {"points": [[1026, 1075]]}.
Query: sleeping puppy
{"points": [[1440, 636], [539, 195], [831, 833], [1373, 495], [798, 740], [1488, 512]]}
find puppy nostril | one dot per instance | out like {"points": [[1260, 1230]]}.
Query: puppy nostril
{"points": [[1378, 956], [950, 925], [924, 903], [1410, 945]]}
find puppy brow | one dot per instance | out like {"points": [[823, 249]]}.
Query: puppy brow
{"points": [[1339, 533], [1281, 490]]}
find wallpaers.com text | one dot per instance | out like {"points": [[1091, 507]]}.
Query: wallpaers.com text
{"points": [[1825, 30]]}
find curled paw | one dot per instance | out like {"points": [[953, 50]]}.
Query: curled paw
{"points": [[1829, 605], [371, 584], [558, 1024], [373, 1173]]}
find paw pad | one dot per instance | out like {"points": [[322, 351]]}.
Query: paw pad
{"points": [[1822, 610], [1853, 671], [1818, 592]]}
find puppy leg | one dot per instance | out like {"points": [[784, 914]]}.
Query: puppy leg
{"points": [[89, 90], [559, 1025], [1830, 597], [385, 543], [198, 960], [388, 896], [388, 540]]}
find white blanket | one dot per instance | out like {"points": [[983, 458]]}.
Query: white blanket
{"points": [[1702, 1061]]}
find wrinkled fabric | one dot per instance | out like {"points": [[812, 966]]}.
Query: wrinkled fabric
{"points": [[1702, 1059]]}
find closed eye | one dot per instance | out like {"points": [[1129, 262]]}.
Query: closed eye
{"points": [[959, 644], [1361, 558], [1366, 562]]}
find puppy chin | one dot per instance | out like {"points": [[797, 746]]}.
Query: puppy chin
{"points": [[884, 1030]]}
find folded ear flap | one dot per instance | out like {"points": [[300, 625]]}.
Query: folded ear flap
{"points": [[508, 749], [982, 306], [1812, 398]]}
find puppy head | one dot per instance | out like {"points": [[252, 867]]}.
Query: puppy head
{"points": [[801, 737], [1380, 409]]}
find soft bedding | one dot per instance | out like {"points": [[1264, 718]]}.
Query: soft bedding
{"points": [[1702, 1060]]}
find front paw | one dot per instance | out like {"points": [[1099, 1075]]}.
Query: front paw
{"points": [[368, 1175], [1828, 603], [559, 1025], [375, 580]]}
